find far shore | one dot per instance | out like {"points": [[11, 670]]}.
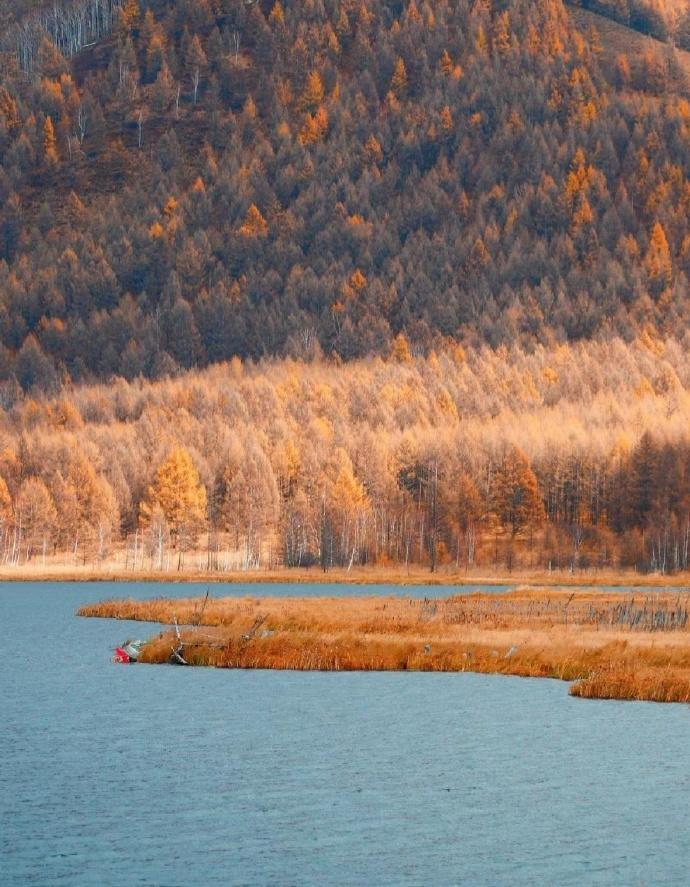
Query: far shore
{"points": [[375, 575], [612, 645]]}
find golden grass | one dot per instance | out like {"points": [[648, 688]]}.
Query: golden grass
{"points": [[653, 684], [114, 571], [605, 641]]}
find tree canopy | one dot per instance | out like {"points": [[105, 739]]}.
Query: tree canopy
{"points": [[220, 178]]}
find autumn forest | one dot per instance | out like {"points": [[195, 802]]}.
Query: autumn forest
{"points": [[218, 178], [345, 283], [575, 458]]}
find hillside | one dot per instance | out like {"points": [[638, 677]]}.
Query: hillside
{"points": [[216, 178], [570, 458], [618, 40]]}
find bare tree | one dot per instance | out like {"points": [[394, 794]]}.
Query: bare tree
{"points": [[82, 122], [236, 41], [70, 26]]}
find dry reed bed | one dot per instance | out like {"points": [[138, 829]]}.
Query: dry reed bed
{"points": [[614, 645], [114, 569]]}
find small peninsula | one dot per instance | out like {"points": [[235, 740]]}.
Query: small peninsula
{"points": [[609, 644]]}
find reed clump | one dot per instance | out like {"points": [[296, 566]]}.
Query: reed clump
{"points": [[649, 684], [614, 645]]}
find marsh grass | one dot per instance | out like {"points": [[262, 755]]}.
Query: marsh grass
{"points": [[613, 645], [114, 569]]}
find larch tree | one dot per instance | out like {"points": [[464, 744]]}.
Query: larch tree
{"points": [[130, 13], [276, 16], [88, 514], [49, 142], [347, 508], [446, 120], [400, 349], [463, 506], [35, 516], [254, 224], [658, 262], [399, 78], [8, 109], [643, 473], [313, 92], [515, 498], [163, 89], [445, 64], [6, 511], [249, 501], [501, 34], [181, 497], [50, 61], [5, 502]]}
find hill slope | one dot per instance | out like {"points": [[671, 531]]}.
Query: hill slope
{"points": [[618, 40], [217, 178]]}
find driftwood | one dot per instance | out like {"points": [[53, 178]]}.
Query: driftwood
{"points": [[176, 655], [177, 651], [258, 622]]}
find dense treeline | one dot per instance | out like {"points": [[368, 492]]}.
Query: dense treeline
{"points": [[563, 458], [220, 178]]}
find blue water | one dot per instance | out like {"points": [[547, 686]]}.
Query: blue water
{"points": [[169, 776]]}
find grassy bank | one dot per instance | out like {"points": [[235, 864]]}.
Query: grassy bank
{"points": [[114, 571], [613, 645]]}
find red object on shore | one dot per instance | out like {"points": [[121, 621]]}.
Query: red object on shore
{"points": [[121, 656]]}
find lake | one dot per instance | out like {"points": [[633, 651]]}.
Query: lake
{"points": [[158, 775]]}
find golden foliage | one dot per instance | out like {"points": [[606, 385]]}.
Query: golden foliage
{"points": [[313, 92], [8, 109], [515, 498], [315, 127], [130, 13], [178, 492], [501, 33], [400, 349], [49, 142], [372, 150], [658, 261], [446, 64], [276, 16], [576, 425], [446, 120], [399, 79], [357, 280], [254, 224]]}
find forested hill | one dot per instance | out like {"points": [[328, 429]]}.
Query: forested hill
{"points": [[212, 178]]}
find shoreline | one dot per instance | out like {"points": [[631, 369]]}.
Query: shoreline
{"points": [[340, 576], [611, 644]]}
